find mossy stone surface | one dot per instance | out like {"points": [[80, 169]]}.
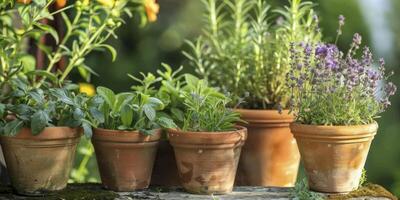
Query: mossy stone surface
{"points": [[368, 190]]}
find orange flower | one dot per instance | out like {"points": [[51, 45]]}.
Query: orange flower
{"points": [[24, 1], [152, 9], [60, 3]]}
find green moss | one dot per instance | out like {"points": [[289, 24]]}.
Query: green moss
{"points": [[369, 190], [72, 192]]}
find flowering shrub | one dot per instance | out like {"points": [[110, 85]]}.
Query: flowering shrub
{"points": [[332, 88]]}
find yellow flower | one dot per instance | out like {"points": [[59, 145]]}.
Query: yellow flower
{"points": [[87, 88], [152, 9], [108, 3]]}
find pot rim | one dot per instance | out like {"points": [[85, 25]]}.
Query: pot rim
{"points": [[208, 140], [134, 136], [48, 133], [334, 134], [179, 131], [265, 118]]}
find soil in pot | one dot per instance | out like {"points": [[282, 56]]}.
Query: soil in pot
{"points": [[40, 164], [165, 171], [270, 156], [207, 161], [125, 158], [334, 156]]}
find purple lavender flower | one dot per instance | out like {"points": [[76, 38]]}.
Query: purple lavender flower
{"points": [[321, 50], [357, 39], [390, 89], [341, 20]]}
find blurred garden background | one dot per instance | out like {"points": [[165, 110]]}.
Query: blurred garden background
{"points": [[143, 49]]}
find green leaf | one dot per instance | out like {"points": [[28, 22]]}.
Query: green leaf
{"points": [[13, 128], [50, 30], [78, 114], [177, 114], [121, 100], [2, 109], [62, 96], [39, 121], [107, 94], [156, 103], [191, 80], [97, 115], [149, 112], [166, 122], [110, 49], [126, 115], [28, 63], [87, 129]]}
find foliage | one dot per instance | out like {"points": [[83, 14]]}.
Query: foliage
{"points": [[333, 88], [127, 111], [245, 53], [301, 192], [39, 98], [38, 108], [190, 102]]}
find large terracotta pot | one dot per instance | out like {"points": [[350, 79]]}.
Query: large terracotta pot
{"points": [[334, 156], [270, 156], [125, 158], [207, 161], [42, 163], [165, 171]]}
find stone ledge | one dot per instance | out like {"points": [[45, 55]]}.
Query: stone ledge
{"points": [[95, 192]]}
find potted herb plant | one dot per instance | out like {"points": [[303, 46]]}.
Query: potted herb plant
{"points": [[41, 112], [126, 137], [207, 143], [246, 54], [336, 98], [166, 87]]}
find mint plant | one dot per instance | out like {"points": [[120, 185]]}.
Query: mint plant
{"points": [[127, 111], [330, 87], [245, 52], [189, 101]]}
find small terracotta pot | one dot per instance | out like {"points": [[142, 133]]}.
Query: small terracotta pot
{"points": [[125, 158], [270, 157], [207, 161], [165, 171], [42, 163], [334, 156]]}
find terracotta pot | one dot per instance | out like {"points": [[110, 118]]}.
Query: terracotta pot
{"points": [[165, 171], [42, 163], [334, 156], [270, 157], [125, 158], [207, 161]]}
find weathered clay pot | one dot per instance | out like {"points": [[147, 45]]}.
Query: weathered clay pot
{"points": [[270, 156], [42, 163], [125, 158], [165, 171], [207, 161], [334, 156]]}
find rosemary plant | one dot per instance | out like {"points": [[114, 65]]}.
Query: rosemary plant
{"points": [[245, 52]]}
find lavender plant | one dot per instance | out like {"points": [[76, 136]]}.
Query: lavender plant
{"points": [[246, 53], [330, 87]]}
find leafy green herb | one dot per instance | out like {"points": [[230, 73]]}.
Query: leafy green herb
{"points": [[189, 101], [244, 52], [127, 111]]}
